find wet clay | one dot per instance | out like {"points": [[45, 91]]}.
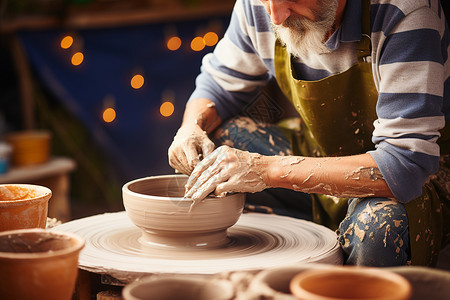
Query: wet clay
{"points": [[256, 241], [157, 206]]}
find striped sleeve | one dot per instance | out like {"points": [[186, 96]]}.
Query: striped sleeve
{"points": [[410, 50], [233, 74]]}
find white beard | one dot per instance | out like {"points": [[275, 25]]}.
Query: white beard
{"points": [[303, 37]]}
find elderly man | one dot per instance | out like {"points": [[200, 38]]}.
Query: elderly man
{"points": [[370, 82]]}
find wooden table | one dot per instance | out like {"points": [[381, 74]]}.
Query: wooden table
{"points": [[53, 174]]}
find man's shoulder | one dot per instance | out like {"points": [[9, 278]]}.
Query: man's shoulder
{"points": [[405, 6]]}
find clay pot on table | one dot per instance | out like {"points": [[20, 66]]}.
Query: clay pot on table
{"points": [[178, 287], [350, 282], [156, 205], [29, 147], [38, 264], [23, 206]]}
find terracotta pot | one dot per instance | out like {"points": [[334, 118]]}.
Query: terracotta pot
{"points": [[273, 283], [23, 206], [38, 264], [350, 283], [29, 147], [178, 287], [157, 206]]}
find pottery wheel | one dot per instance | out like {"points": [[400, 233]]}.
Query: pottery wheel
{"points": [[256, 241]]}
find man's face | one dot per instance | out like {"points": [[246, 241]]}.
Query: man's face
{"points": [[302, 25]]}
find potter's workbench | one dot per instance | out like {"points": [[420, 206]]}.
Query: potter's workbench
{"points": [[53, 174]]}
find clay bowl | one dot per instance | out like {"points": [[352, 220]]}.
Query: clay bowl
{"points": [[178, 287], [427, 283], [38, 264], [273, 283], [156, 205], [23, 206], [350, 283]]}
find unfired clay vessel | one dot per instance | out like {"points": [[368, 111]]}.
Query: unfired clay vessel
{"points": [[38, 264], [167, 219], [178, 287], [350, 282], [427, 283], [273, 283], [23, 206]]}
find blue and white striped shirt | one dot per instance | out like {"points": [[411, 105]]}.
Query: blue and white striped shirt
{"points": [[410, 48]]}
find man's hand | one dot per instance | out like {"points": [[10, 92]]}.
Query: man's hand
{"points": [[226, 170], [188, 146]]}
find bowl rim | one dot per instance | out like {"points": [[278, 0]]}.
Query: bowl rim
{"points": [[201, 280], [126, 190], [77, 246], [401, 282], [47, 193]]}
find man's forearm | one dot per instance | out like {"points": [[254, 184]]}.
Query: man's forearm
{"points": [[348, 176], [202, 112]]}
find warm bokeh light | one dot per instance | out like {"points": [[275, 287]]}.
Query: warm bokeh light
{"points": [[198, 43], [66, 42], [137, 81], [167, 109], [211, 38], [77, 58], [174, 43], [109, 115]]}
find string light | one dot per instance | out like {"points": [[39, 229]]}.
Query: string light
{"points": [[198, 44], [109, 115], [211, 38], [174, 43], [166, 109], [137, 81], [77, 58], [67, 42]]}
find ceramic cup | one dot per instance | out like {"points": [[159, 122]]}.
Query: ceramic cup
{"points": [[156, 205], [38, 264], [23, 206], [350, 283], [178, 287]]}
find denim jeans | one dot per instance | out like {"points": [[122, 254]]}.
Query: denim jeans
{"points": [[375, 230], [375, 233]]}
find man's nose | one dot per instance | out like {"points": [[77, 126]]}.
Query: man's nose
{"points": [[279, 11]]}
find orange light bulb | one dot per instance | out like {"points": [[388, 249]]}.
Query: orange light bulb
{"points": [[198, 44], [137, 81], [67, 42], [211, 38], [77, 58], [109, 115], [174, 43], [166, 109]]}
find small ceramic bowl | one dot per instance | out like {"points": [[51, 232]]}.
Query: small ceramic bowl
{"points": [[167, 219], [38, 264], [23, 206], [178, 287], [350, 282]]}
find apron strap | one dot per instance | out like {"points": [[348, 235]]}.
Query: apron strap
{"points": [[364, 47]]}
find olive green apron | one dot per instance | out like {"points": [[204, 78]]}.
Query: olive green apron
{"points": [[337, 115]]}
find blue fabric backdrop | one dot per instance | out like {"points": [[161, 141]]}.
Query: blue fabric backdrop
{"points": [[136, 142]]}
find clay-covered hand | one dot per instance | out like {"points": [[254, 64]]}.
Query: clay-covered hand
{"points": [[188, 146], [226, 170]]}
